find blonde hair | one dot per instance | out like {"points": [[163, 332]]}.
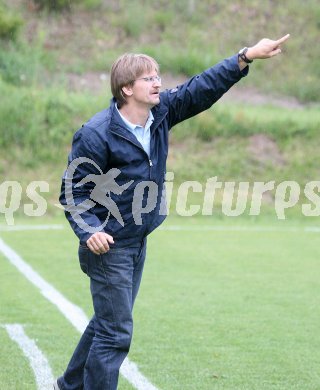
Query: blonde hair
{"points": [[126, 69]]}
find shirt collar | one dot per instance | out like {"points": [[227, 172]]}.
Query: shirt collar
{"points": [[132, 126]]}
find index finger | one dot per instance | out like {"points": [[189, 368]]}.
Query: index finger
{"points": [[283, 39]]}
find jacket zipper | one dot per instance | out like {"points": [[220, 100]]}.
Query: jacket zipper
{"points": [[149, 159], [138, 146]]}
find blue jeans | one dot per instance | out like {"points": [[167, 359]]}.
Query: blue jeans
{"points": [[114, 283]]}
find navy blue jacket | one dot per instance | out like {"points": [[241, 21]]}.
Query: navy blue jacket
{"points": [[105, 140]]}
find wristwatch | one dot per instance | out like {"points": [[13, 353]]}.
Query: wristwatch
{"points": [[242, 55]]}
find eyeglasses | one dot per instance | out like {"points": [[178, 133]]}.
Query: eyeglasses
{"points": [[150, 79]]}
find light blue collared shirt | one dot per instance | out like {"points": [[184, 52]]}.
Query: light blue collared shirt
{"points": [[141, 133]]}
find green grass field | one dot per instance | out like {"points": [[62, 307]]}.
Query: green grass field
{"points": [[224, 304]]}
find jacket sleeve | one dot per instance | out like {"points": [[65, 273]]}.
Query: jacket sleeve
{"points": [[88, 156], [202, 91]]}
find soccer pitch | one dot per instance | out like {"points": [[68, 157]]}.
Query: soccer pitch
{"points": [[224, 304]]}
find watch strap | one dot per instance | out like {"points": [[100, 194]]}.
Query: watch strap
{"points": [[242, 55]]}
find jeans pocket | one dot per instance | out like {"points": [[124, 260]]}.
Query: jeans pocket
{"points": [[117, 265], [84, 256]]}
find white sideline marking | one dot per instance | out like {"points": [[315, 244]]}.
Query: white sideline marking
{"points": [[202, 228], [5, 228], [38, 362], [73, 313]]}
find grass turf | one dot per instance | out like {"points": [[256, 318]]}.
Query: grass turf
{"points": [[219, 309]]}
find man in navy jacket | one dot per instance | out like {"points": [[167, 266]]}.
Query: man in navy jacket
{"points": [[113, 195]]}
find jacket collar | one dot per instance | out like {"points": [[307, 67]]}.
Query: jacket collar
{"points": [[117, 125]]}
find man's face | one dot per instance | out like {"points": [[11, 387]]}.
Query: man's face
{"points": [[146, 89]]}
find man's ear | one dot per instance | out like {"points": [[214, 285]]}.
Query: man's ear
{"points": [[127, 90]]}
